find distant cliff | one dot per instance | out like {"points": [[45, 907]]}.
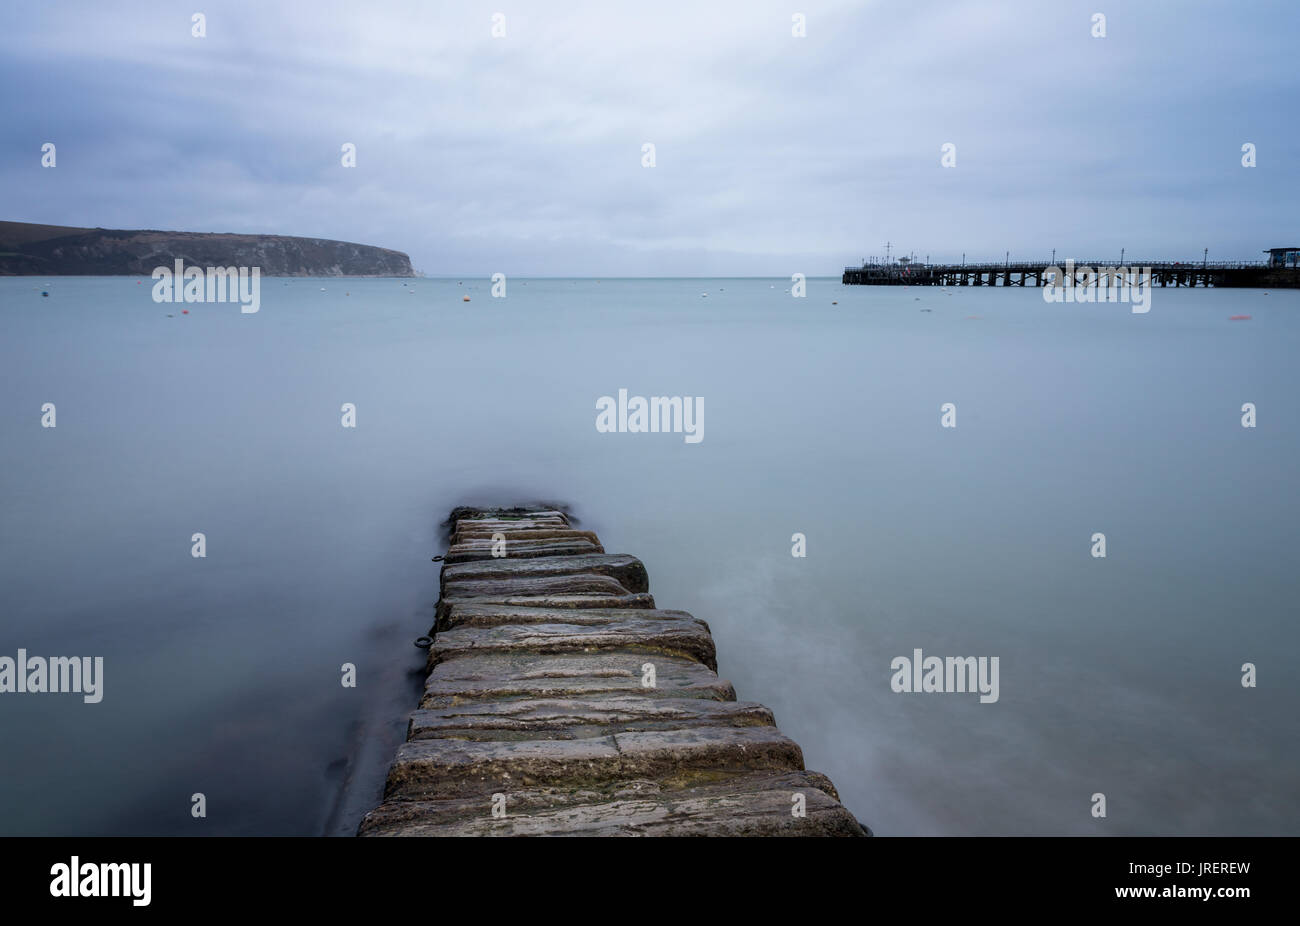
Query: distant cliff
{"points": [[50, 250]]}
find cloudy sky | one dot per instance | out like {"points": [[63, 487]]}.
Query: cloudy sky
{"points": [[774, 154]]}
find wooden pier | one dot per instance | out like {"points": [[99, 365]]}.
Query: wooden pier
{"points": [[561, 701], [1017, 273]]}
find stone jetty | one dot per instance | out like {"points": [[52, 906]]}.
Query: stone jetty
{"points": [[560, 700]]}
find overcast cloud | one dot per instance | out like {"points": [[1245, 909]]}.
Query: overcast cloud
{"points": [[774, 154]]}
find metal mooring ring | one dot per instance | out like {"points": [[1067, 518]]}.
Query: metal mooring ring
{"points": [[424, 642]]}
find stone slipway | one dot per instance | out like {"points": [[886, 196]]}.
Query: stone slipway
{"points": [[561, 701]]}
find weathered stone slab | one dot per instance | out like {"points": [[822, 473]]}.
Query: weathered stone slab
{"points": [[492, 525], [500, 675], [672, 632], [434, 768], [753, 804], [476, 612], [509, 545], [572, 718], [628, 570], [456, 589], [471, 531], [471, 513], [475, 550], [640, 600]]}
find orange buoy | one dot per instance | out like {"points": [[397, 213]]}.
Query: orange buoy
{"points": [[464, 298]]}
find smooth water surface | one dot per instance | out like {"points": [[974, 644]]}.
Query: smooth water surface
{"points": [[1119, 675]]}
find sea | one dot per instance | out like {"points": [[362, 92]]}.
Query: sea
{"points": [[950, 458]]}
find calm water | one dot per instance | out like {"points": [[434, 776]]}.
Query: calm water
{"points": [[1118, 675]]}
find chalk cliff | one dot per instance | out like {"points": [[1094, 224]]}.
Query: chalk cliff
{"points": [[50, 250]]}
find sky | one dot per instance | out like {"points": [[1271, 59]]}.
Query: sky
{"points": [[773, 153]]}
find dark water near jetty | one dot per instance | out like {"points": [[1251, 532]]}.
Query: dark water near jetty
{"points": [[222, 674]]}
